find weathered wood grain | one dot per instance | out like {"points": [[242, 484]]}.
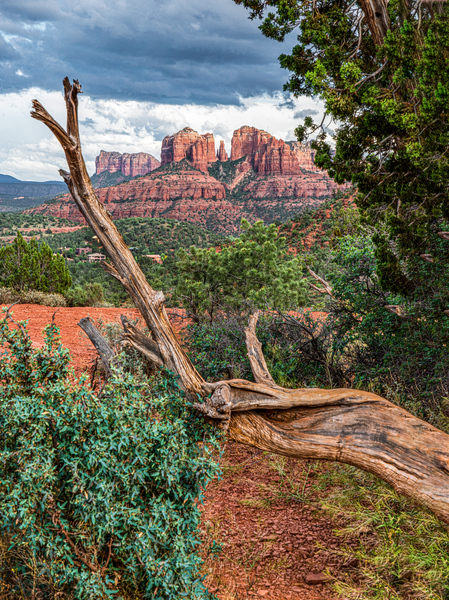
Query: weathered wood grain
{"points": [[344, 425]]}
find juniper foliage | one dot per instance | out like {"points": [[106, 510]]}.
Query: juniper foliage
{"points": [[33, 266]]}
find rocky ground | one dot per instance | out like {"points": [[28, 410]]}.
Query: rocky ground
{"points": [[264, 534]]}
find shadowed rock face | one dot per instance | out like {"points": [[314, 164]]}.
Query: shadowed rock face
{"points": [[131, 165], [187, 143]]}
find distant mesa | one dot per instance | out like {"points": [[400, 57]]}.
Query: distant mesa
{"points": [[8, 179], [130, 165]]}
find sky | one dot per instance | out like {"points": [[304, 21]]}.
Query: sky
{"points": [[147, 69]]}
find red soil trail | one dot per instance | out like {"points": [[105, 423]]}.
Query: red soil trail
{"points": [[72, 336], [272, 542]]}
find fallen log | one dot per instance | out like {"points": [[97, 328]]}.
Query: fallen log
{"points": [[344, 425]]}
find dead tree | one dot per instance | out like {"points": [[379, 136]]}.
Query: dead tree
{"points": [[345, 425]]}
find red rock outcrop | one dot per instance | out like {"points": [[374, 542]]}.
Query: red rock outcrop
{"points": [[268, 155], [304, 154], [187, 143], [133, 165], [276, 180], [222, 154]]}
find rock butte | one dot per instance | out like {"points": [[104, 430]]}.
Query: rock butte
{"points": [[128, 164], [266, 178], [198, 149]]}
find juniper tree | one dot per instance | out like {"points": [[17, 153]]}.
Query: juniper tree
{"points": [[253, 272], [382, 70], [33, 266]]}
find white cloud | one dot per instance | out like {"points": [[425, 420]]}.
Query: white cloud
{"points": [[28, 150]]}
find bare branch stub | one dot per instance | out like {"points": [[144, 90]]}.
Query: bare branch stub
{"points": [[326, 289], [141, 342], [104, 350], [71, 99], [255, 353]]}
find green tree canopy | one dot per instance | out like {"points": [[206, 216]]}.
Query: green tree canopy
{"points": [[255, 271], [384, 79], [32, 266]]}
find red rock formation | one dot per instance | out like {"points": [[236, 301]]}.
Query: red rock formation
{"points": [[304, 154], [275, 181], [198, 149], [268, 155], [222, 154], [129, 164]]}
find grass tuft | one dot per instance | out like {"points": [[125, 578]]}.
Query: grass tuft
{"points": [[403, 550]]}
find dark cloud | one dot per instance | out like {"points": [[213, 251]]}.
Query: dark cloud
{"points": [[307, 112], [202, 51]]}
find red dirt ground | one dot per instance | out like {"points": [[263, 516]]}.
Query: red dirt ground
{"points": [[72, 337], [264, 535]]}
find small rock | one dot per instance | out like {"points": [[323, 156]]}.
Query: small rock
{"points": [[262, 592], [316, 578]]}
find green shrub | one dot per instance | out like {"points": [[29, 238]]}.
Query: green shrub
{"points": [[91, 294], [33, 266], [98, 495]]}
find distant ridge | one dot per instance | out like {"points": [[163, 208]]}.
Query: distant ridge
{"points": [[11, 179], [8, 179], [17, 195]]}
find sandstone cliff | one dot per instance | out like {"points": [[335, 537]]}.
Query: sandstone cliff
{"points": [[187, 143], [268, 155], [131, 165]]}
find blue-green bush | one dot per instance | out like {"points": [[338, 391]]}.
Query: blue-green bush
{"points": [[98, 495]]}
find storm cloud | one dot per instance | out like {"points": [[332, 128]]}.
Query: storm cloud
{"points": [[176, 51]]}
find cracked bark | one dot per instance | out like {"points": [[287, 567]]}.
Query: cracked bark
{"points": [[344, 425]]}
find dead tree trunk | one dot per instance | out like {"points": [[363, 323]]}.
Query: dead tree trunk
{"points": [[349, 426]]}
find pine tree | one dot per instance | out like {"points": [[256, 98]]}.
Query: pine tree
{"points": [[254, 272], [33, 266]]}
